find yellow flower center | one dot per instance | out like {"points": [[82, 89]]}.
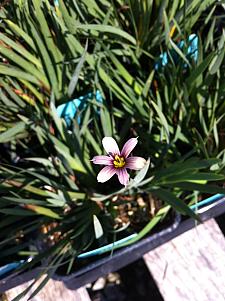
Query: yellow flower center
{"points": [[119, 162]]}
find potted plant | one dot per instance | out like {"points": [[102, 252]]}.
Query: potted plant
{"points": [[52, 206]]}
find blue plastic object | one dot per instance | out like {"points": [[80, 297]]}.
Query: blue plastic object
{"points": [[69, 109], [207, 201], [10, 267], [106, 248], [192, 52]]}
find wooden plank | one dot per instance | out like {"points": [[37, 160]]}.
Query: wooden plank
{"points": [[53, 291], [191, 266]]}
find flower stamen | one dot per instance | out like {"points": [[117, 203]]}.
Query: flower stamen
{"points": [[119, 162]]}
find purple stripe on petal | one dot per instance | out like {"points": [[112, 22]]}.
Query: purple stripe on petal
{"points": [[110, 146], [105, 174], [123, 176], [104, 160], [128, 147], [135, 163]]}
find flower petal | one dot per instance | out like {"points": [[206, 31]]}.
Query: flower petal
{"points": [[123, 176], [105, 174], [135, 163], [104, 160], [110, 146], [128, 147]]}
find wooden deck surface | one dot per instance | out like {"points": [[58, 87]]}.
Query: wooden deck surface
{"points": [[53, 291], [191, 266]]}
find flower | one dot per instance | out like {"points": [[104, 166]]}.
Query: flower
{"points": [[118, 162]]}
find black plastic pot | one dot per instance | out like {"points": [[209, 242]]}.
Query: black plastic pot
{"points": [[120, 257]]}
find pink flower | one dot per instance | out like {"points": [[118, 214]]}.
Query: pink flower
{"points": [[117, 162]]}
